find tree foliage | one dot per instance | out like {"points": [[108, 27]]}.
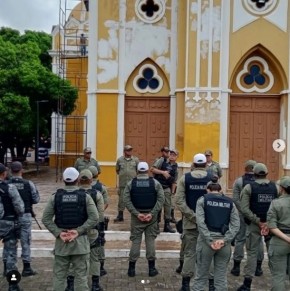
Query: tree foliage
{"points": [[25, 79]]}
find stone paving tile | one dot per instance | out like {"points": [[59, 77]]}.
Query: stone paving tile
{"points": [[117, 278]]}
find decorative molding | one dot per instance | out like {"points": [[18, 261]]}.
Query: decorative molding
{"points": [[142, 12]]}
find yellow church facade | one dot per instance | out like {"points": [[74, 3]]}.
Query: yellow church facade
{"points": [[191, 74]]}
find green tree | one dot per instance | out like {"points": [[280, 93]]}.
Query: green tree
{"points": [[25, 78]]}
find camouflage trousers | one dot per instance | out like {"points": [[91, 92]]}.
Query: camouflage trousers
{"points": [[150, 230], [121, 205], [10, 251]]}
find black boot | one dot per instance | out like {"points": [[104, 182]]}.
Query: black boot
{"points": [[131, 270], [27, 271], [211, 285], [14, 287], [185, 284], [179, 268], [119, 217], [246, 285], [259, 271], [103, 272], [70, 283], [96, 284], [173, 220], [167, 226], [4, 268], [152, 270], [236, 268]]}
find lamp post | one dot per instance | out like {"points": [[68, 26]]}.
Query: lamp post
{"points": [[37, 133]]}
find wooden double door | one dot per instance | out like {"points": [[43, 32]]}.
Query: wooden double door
{"points": [[147, 125], [254, 125]]}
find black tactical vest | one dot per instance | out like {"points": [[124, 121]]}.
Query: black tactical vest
{"points": [[248, 178], [165, 183], [261, 197], [143, 194], [194, 189], [70, 208], [217, 210], [24, 190], [98, 186], [7, 202], [93, 193]]}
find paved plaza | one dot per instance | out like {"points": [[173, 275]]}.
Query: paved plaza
{"points": [[117, 266]]}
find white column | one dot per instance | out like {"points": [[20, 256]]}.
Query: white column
{"points": [[92, 77], [224, 79], [121, 74], [173, 70], [53, 132]]}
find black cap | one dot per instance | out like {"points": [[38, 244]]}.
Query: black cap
{"points": [[2, 168], [16, 167]]}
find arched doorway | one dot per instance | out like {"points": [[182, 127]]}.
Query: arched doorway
{"points": [[147, 109], [254, 123]]}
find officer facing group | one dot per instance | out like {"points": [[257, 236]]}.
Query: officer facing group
{"points": [[69, 214], [30, 196], [143, 198], [278, 220], [218, 222], [11, 209], [255, 202]]}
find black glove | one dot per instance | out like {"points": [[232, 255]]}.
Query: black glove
{"points": [[106, 221]]}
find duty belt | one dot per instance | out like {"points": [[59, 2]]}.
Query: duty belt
{"points": [[284, 230], [9, 218]]}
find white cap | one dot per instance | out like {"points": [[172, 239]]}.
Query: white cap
{"points": [[199, 159], [143, 167], [70, 174]]}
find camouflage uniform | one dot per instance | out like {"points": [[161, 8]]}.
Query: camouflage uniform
{"points": [[25, 224], [138, 227], [82, 164], [205, 254], [214, 168], [126, 168], [7, 225], [76, 252]]}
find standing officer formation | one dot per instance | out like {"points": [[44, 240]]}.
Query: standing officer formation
{"points": [[218, 222], [190, 187], [165, 174], [70, 228], [240, 240], [143, 198], [126, 169], [30, 196], [255, 202], [11, 210]]}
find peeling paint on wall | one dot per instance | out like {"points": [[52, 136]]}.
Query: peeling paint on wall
{"points": [[205, 33], [142, 41], [202, 112]]}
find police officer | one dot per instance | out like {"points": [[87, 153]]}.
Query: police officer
{"points": [[69, 214], [212, 167], [164, 173], [97, 185], [173, 155], [278, 220], [255, 202], [240, 239], [10, 212], [86, 161], [143, 198], [30, 196], [126, 169], [190, 187], [218, 222], [96, 236]]}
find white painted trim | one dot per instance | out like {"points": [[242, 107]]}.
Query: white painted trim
{"points": [[121, 81], [172, 128], [198, 41], [223, 81], [187, 43], [92, 77], [202, 89], [288, 134], [210, 41]]}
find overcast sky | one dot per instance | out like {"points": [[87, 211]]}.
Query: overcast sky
{"points": [[39, 15]]}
